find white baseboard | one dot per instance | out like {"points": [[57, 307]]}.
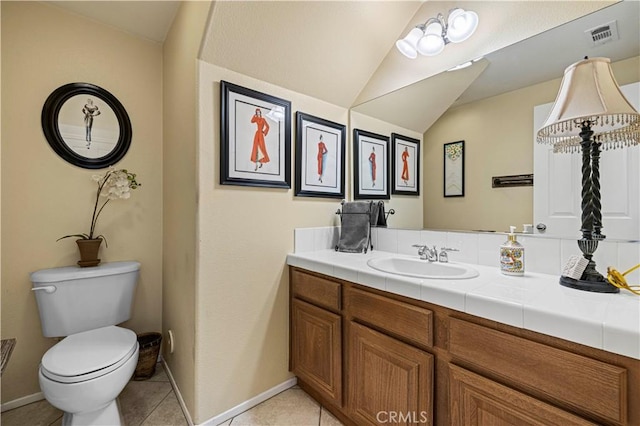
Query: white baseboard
{"points": [[185, 411], [39, 396], [241, 408]]}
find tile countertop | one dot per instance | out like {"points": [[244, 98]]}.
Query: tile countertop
{"points": [[535, 302]]}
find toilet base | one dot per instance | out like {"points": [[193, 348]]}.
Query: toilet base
{"points": [[106, 416]]}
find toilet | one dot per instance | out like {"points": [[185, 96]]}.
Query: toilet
{"points": [[84, 373]]}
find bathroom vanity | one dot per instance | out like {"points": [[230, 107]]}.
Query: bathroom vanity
{"points": [[373, 354]]}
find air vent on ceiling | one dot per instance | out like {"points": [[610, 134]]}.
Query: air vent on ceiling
{"points": [[603, 33]]}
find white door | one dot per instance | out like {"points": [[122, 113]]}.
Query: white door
{"points": [[558, 183]]}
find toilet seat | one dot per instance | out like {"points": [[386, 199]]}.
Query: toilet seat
{"points": [[90, 354]]}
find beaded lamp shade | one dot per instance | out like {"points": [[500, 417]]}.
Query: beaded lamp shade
{"points": [[589, 93]]}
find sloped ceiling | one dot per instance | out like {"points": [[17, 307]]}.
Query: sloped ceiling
{"points": [[344, 52], [147, 19], [325, 49]]}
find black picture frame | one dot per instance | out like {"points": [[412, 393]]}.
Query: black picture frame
{"points": [[365, 166], [242, 143], [405, 165], [453, 169], [320, 157], [86, 125]]}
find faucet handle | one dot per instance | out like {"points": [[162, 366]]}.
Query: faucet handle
{"points": [[443, 257], [421, 250]]}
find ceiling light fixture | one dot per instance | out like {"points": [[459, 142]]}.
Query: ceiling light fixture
{"points": [[429, 38]]}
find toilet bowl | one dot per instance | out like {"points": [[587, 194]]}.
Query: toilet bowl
{"points": [[84, 373]]}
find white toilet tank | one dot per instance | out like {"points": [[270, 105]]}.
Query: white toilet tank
{"points": [[72, 299]]}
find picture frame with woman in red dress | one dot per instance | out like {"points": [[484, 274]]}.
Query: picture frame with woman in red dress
{"points": [[405, 152], [255, 138], [320, 153]]}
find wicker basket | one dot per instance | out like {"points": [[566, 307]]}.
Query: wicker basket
{"points": [[148, 357]]}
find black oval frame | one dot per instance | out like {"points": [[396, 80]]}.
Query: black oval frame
{"points": [[51, 110]]}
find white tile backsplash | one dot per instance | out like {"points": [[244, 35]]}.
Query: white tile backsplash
{"points": [[466, 244], [489, 249], [542, 254], [387, 240], [406, 240], [303, 240]]}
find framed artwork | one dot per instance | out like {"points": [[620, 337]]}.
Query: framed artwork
{"points": [[320, 148], [255, 138], [86, 125], [405, 161], [370, 166], [454, 169]]}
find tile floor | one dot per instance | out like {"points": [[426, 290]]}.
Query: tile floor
{"points": [[153, 403]]}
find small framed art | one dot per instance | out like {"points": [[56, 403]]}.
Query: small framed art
{"points": [[320, 148], [454, 169], [255, 130], [370, 166], [405, 170]]}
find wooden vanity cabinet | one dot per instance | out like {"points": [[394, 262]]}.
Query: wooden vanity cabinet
{"points": [[316, 334], [389, 376], [372, 357]]}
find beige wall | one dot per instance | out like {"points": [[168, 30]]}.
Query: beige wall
{"points": [[408, 209], [244, 236], [498, 141], [180, 191], [44, 197]]}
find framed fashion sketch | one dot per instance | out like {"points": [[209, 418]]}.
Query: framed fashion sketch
{"points": [[86, 125], [454, 169], [370, 166], [320, 148], [405, 161], [255, 138]]}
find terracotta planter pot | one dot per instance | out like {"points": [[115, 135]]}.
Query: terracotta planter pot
{"points": [[89, 252]]}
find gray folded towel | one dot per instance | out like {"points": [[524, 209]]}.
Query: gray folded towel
{"points": [[378, 216], [355, 227]]}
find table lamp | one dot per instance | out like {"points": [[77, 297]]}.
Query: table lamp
{"points": [[590, 111]]}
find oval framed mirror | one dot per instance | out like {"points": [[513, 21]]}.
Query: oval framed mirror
{"points": [[86, 125]]}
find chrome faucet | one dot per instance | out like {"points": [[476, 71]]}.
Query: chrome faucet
{"points": [[426, 253]]}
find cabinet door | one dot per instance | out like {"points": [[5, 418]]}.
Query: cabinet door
{"points": [[478, 401], [316, 343], [389, 381]]}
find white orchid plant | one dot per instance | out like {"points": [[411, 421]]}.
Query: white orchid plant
{"points": [[113, 185]]}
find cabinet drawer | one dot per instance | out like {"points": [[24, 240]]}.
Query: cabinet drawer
{"points": [[398, 318], [316, 290], [592, 388], [477, 400]]}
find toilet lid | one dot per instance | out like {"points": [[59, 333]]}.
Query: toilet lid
{"points": [[89, 354]]}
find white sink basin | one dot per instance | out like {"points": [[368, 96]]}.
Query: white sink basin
{"points": [[418, 268]]}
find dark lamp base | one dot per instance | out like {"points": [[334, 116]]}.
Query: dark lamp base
{"points": [[585, 285]]}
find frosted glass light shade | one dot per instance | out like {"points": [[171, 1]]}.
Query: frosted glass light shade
{"points": [[432, 43], [461, 25], [408, 45], [589, 91]]}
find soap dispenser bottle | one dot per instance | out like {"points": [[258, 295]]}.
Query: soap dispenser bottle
{"points": [[512, 255]]}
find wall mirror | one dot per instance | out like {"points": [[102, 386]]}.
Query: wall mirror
{"points": [[541, 58], [86, 125]]}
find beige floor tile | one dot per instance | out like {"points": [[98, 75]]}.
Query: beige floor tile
{"points": [[328, 419], [139, 399], [39, 413], [168, 413], [291, 407]]}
